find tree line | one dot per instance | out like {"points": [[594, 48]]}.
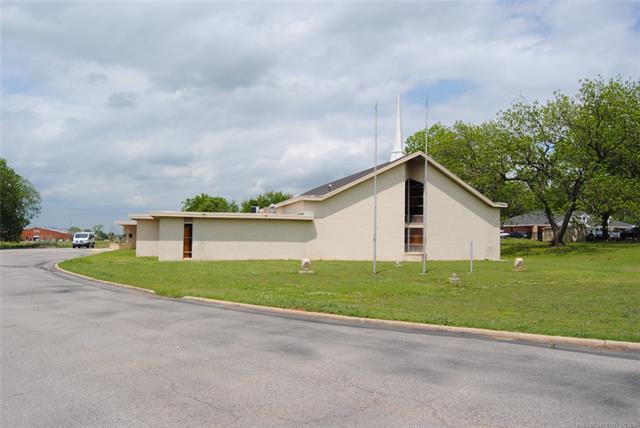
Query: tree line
{"points": [[569, 153], [206, 203]]}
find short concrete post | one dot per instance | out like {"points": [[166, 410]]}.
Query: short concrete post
{"points": [[305, 266], [518, 264]]}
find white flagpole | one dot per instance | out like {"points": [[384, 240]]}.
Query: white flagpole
{"points": [[375, 189], [424, 190]]}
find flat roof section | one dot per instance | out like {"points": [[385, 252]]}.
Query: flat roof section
{"points": [[236, 216]]}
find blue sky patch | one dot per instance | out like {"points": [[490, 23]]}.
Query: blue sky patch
{"points": [[14, 83], [439, 92]]}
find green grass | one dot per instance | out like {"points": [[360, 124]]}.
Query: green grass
{"points": [[582, 290]]}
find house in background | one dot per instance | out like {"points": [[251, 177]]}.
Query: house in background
{"points": [[536, 226], [531, 224], [44, 234]]}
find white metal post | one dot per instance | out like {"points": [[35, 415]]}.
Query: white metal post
{"points": [[424, 187], [375, 189], [471, 256]]}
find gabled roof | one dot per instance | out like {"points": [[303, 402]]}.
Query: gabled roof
{"points": [[334, 187], [341, 182], [535, 218], [620, 224]]}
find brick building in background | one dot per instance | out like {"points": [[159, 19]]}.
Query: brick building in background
{"points": [[43, 234]]}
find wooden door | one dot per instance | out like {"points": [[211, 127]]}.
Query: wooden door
{"points": [[187, 241]]}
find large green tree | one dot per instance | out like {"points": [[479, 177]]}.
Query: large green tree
{"points": [[609, 196], [556, 155], [19, 203], [469, 151], [264, 200], [205, 203], [613, 111], [559, 148]]}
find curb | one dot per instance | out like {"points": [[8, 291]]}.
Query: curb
{"points": [[130, 287], [492, 334]]}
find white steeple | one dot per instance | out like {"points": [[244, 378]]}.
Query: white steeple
{"points": [[398, 145]]}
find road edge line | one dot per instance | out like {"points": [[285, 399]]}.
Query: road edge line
{"points": [[492, 334], [117, 284]]}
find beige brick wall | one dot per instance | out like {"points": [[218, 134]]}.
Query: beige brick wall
{"points": [[171, 238], [223, 239], [455, 217], [147, 238]]}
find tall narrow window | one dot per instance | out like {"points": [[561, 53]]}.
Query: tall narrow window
{"points": [[187, 241], [413, 201], [413, 216]]}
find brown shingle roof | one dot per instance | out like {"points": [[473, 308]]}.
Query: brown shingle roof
{"points": [[336, 184]]}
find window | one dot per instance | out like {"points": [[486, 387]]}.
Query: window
{"points": [[413, 201], [413, 240], [413, 216], [187, 243]]}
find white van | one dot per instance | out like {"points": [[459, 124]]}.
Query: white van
{"points": [[84, 239]]}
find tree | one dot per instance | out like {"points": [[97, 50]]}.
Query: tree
{"points": [[615, 187], [554, 156], [608, 195], [100, 234], [19, 203], [264, 200], [558, 148], [73, 229], [469, 152], [206, 203]]}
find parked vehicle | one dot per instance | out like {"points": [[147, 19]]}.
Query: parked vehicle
{"points": [[633, 233], [596, 234], [523, 235], [504, 234], [84, 239]]}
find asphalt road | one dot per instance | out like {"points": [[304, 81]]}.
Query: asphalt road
{"points": [[77, 353]]}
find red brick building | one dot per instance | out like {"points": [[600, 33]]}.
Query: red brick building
{"points": [[43, 234]]}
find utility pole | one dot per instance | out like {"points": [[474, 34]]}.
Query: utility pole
{"points": [[424, 187], [375, 189]]}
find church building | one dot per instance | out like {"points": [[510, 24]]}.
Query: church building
{"points": [[335, 221]]}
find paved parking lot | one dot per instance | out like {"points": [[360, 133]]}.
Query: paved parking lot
{"points": [[76, 353]]}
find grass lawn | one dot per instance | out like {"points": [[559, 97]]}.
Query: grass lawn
{"points": [[582, 290]]}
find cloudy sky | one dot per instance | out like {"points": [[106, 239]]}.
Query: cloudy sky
{"points": [[113, 108]]}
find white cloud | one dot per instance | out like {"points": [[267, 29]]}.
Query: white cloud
{"points": [[119, 107]]}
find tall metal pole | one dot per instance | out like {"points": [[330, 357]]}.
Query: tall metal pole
{"points": [[375, 189], [471, 256], [424, 187]]}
